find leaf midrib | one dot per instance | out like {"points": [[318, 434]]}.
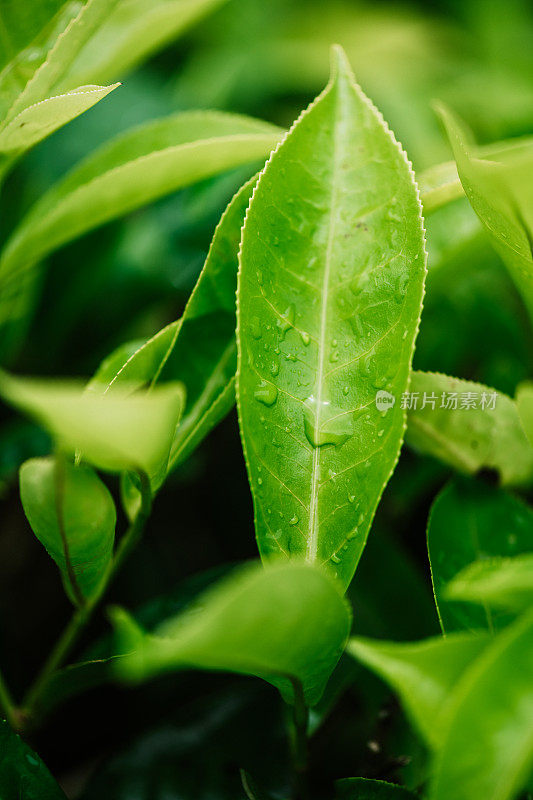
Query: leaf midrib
{"points": [[312, 540]]}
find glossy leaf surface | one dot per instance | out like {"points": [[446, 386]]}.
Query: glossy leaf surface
{"points": [[469, 523], [331, 279], [487, 750], [497, 583], [468, 426], [524, 402], [423, 674], [112, 432], [73, 515], [23, 776], [284, 623]]}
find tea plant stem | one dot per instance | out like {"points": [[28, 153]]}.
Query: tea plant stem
{"points": [[83, 614], [7, 705], [300, 722]]}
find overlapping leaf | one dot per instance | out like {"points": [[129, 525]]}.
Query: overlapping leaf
{"points": [[496, 582], [499, 190], [364, 789], [330, 289], [487, 747], [285, 623], [469, 523], [423, 674], [134, 169], [468, 426], [73, 515], [115, 432]]}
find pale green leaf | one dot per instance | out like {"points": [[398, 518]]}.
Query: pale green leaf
{"points": [[468, 426], [134, 169], [469, 523], [364, 789], [524, 402], [113, 432], [487, 748], [285, 623], [73, 515], [439, 185], [497, 582], [77, 32], [330, 290], [499, 190], [132, 32], [112, 364], [44, 117], [423, 674]]}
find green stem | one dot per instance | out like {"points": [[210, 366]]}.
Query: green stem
{"points": [[7, 705], [83, 614], [300, 723]]}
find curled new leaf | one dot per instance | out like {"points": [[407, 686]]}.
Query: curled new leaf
{"points": [[286, 623], [73, 515], [332, 269], [468, 426]]}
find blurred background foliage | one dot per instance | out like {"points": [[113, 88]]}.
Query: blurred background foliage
{"points": [[129, 278]]}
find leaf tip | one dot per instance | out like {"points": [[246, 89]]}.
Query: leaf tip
{"points": [[340, 66]]}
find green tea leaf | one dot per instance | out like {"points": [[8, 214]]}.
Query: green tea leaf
{"points": [[524, 402], [113, 432], [132, 32], [468, 426], [284, 623], [134, 169], [23, 776], [469, 523], [112, 364], [499, 190], [423, 674], [199, 350], [331, 277], [37, 121], [487, 749], [73, 515], [364, 789], [498, 582]]}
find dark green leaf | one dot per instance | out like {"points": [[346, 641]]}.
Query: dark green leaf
{"points": [[363, 789], [469, 523], [23, 776]]}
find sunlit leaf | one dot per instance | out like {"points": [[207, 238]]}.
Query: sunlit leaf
{"points": [[468, 426], [524, 402], [469, 523], [284, 623], [329, 298], [73, 515]]}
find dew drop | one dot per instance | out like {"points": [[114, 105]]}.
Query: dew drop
{"points": [[326, 424], [294, 520], [266, 393], [274, 369], [335, 558], [305, 337], [351, 498], [255, 327], [334, 356], [287, 321], [346, 390], [259, 277]]}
